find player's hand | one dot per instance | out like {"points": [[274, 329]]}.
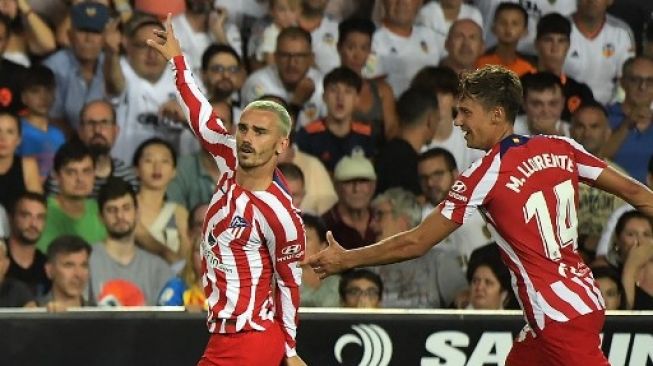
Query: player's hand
{"points": [[166, 43], [330, 260], [294, 361]]}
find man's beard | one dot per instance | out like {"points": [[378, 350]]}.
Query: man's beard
{"points": [[198, 7], [24, 240], [98, 150], [121, 234], [223, 93]]}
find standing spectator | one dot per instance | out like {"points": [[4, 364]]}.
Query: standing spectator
{"points": [[590, 128], [122, 274], [324, 34], [98, 130], [464, 45], [440, 15], [552, 45], [68, 268], [292, 78], [313, 291], [509, 25], [71, 211], [223, 74], [600, 44], [631, 143], [13, 293], [26, 262], [155, 161], [11, 73], [30, 34], [360, 288], [402, 48], [543, 105], [78, 69], [349, 219], [17, 175], [443, 81], [430, 281], [143, 89], [376, 101], [40, 138], [338, 134], [396, 163], [201, 25], [284, 13]]}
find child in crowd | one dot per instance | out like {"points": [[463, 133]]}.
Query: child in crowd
{"points": [[40, 139], [510, 25], [284, 14]]}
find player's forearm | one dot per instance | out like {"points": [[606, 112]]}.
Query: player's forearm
{"points": [[397, 248], [640, 197]]}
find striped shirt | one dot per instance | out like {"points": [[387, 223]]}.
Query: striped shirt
{"points": [[251, 239], [118, 170], [527, 189]]}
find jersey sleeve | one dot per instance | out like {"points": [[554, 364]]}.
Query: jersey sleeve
{"points": [[208, 128], [287, 251], [589, 166], [471, 189]]}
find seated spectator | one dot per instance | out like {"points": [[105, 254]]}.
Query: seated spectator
{"points": [[337, 134], [439, 15], [223, 74], [612, 290], [396, 162], [313, 291], [552, 44], [67, 267], [17, 175], [376, 101], [186, 288], [40, 139], [360, 288], [98, 130], [292, 78], [79, 68], [295, 182], [26, 262], [324, 33], [122, 274], [600, 44], [30, 35], [13, 293], [143, 87], [284, 14], [489, 280], [155, 161], [430, 281], [464, 45], [201, 25], [443, 81], [349, 219], [71, 211], [509, 26], [543, 105], [631, 142], [11, 73]]}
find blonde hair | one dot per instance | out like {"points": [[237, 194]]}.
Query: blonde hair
{"points": [[281, 113]]}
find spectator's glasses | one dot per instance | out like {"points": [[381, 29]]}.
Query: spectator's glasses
{"points": [[640, 81], [372, 293], [220, 69], [101, 123], [287, 56]]}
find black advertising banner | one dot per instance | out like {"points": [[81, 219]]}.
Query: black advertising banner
{"points": [[424, 338]]}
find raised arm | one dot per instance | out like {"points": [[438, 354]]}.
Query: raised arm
{"points": [[208, 128], [630, 190]]}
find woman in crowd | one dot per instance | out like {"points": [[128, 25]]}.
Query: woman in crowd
{"points": [[155, 161], [17, 174], [489, 280], [611, 289]]}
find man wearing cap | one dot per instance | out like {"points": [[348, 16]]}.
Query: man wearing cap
{"points": [[78, 69], [349, 219]]}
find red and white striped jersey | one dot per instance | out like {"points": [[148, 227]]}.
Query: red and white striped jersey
{"points": [[527, 189], [251, 239]]}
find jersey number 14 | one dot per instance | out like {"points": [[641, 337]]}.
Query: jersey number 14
{"points": [[566, 223]]}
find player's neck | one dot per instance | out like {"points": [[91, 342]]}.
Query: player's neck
{"points": [[256, 179]]}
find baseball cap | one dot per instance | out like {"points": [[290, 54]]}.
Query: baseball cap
{"points": [[89, 16], [354, 166]]}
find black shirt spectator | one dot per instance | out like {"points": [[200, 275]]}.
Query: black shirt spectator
{"points": [[14, 294], [396, 166], [33, 276]]}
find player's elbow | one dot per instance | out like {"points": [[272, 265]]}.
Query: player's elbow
{"points": [[414, 247]]}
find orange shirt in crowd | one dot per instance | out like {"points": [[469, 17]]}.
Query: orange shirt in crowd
{"points": [[520, 66]]}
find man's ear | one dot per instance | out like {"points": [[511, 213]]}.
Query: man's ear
{"points": [[283, 145]]}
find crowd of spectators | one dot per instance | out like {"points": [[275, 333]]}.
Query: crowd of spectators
{"points": [[103, 188]]}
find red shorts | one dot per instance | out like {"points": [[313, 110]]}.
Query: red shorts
{"points": [[572, 343], [252, 347]]}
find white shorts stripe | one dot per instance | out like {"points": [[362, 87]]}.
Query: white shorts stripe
{"points": [[570, 297], [589, 293]]}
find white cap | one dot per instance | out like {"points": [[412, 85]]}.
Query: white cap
{"points": [[354, 166]]}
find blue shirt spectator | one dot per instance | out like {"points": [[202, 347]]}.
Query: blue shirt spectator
{"points": [[42, 145]]}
